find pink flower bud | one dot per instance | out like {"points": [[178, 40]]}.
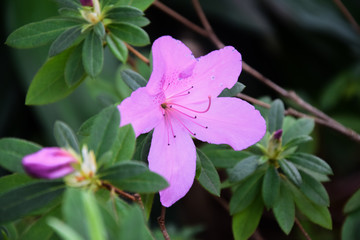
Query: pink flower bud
{"points": [[278, 134], [49, 163], [86, 3]]}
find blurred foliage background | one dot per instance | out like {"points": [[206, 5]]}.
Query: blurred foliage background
{"points": [[307, 46]]}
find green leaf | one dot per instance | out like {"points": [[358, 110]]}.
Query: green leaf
{"points": [[140, 4], [133, 225], [38, 33], [284, 209], [350, 229], [297, 141], [40, 229], [99, 29], [209, 178], [130, 33], [85, 128], [138, 21], [93, 216], [245, 223], [49, 84], [15, 180], [12, 151], [121, 14], [124, 144], [117, 47], [65, 137], [225, 158], [232, 92], [290, 171], [310, 162], [133, 79], [302, 126], [245, 193], [74, 70], [314, 190], [19, 202], [134, 177], [317, 214], [276, 116], [270, 186], [104, 130], [93, 54], [65, 40], [147, 200], [69, 3], [243, 169], [354, 203], [64, 230]]}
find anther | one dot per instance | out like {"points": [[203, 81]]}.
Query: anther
{"points": [[174, 136]]}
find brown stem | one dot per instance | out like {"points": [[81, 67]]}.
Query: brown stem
{"points": [[135, 198], [319, 116], [161, 221], [347, 14], [138, 54], [302, 229]]}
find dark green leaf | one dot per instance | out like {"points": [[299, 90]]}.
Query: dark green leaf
{"points": [[130, 33], [147, 200], [15, 180], [297, 141], [74, 70], [226, 158], [243, 169], [93, 54], [133, 225], [284, 209], [65, 137], [140, 4], [270, 186], [65, 40], [121, 14], [69, 3], [209, 178], [124, 144], [290, 171], [21, 201], [139, 21], [71, 13], [117, 47], [311, 162], [350, 229], [276, 116], [85, 128], [314, 190], [303, 126], [133, 79], [99, 29], [317, 214], [104, 130], [245, 223], [232, 92], [12, 151], [65, 231], [353, 204], [49, 84], [245, 193], [134, 177], [38, 33]]}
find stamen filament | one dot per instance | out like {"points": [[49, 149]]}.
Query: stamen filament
{"points": [[192, 133], [181, 94], [207, 109]]}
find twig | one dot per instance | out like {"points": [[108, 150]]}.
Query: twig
{"points": [[302, 229], [347, 14], [161, 221], [138, 54], [319, 116], [134, 198]]}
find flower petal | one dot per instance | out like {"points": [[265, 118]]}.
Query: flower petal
{"points": [[229, 121], [141, 110], [170, 58], [175, 162]]}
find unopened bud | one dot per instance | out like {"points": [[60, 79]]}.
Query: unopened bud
{"points": [[86, 3]]}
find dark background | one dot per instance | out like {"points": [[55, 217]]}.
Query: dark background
{"points": [[307, 46]]}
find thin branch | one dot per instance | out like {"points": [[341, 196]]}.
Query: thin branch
{"points": [[347, 14], [161, 221], [138, 54], [302, 229], [319, 115]]}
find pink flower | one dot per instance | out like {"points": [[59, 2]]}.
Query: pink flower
{"points": [[86, 3], [49, 163], [179, 102]]}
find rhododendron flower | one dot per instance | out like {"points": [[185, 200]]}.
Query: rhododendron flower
{"points": [[49, 163], [179, 102]]}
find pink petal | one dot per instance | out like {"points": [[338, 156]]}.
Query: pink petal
{"points": [[175, 162], [229, 121], [141, 110], [170, 58]]}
